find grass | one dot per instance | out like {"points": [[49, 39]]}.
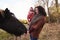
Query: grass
{"points": [[49, 32], [4, 35]]}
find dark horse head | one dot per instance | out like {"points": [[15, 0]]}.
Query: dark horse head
{"points": [[10, 23]]}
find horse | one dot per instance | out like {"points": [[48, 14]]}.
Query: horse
{"points": [[10, 24]]}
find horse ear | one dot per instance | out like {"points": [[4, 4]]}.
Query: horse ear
{"points": [[7, 10]]}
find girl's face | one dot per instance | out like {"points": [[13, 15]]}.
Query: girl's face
{"points": [[36, 10]]}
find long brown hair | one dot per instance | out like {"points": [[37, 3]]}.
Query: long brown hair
{"points": [[41, 10]]}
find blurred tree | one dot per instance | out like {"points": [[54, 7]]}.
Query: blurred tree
{"points": [[52, 9], [56, 2], [57, 10]]}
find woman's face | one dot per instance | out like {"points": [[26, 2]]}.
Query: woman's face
{"points": [[36, 10]]}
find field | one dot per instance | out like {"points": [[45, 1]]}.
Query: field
{"points": [[50, 31]]}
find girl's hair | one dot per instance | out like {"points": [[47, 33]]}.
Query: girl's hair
{"points": [[41, 10], [31, 9]]}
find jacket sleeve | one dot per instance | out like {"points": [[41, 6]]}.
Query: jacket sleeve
{"points": [[39, 24]]}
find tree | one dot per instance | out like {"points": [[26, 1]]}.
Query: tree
{"points": [[56, 2], [57, 11], [47, 4]]}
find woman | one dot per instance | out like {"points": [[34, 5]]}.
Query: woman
{"points": [[37, 23]]}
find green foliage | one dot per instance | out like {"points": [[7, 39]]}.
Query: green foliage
{"points": [[54, 14]]}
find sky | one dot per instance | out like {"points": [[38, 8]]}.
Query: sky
{"points": [[19, 7]]}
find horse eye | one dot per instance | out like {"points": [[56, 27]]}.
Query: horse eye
{"points": [[12, 15]]}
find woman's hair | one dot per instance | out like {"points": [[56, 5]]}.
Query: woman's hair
{"points": [[41, 10]]}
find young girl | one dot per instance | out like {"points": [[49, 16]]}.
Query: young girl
{"points": [[30, 14]]}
